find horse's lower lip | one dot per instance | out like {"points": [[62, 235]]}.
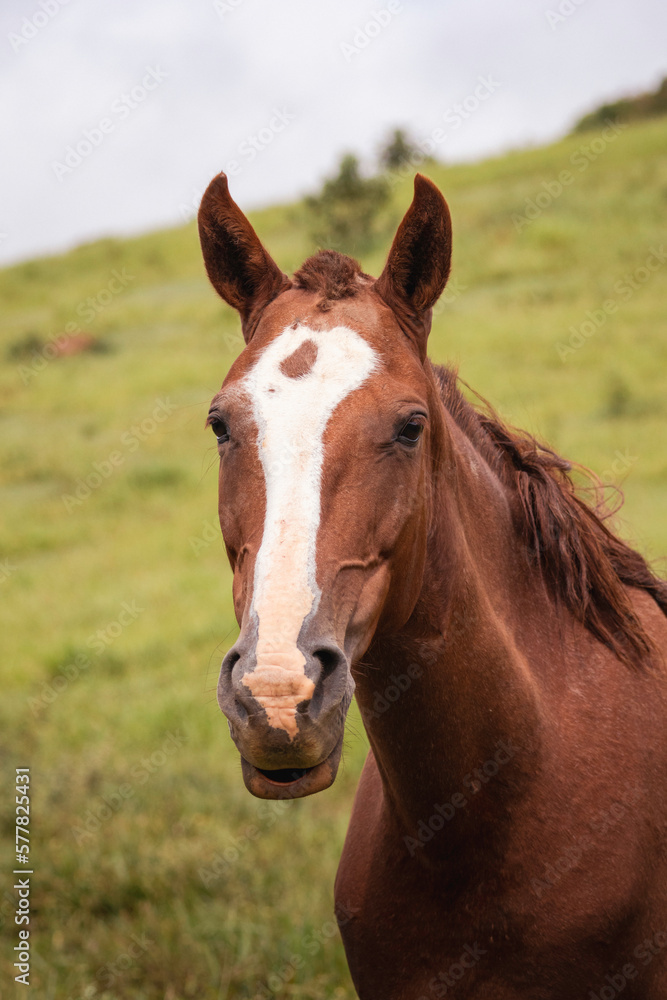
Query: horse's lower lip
{"points": [[292, 782], [285, 775]]}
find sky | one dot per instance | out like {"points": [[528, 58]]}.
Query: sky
{"points": [[115, 116]]}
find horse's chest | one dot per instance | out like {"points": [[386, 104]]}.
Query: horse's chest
{"points": [[409, 934], [399, 939]]}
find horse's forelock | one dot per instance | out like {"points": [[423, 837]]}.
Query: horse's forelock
{"points": [[331, 275]]}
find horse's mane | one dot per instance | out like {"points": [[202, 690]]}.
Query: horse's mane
{"points": [[584, 565]]}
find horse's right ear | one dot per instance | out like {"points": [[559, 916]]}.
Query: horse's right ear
{"points": [[240, 269]]}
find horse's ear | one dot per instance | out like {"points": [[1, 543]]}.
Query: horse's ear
{"points": [[240, 269], [418, 264]]}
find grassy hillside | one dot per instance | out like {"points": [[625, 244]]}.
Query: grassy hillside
{"points": [[156, 873]]}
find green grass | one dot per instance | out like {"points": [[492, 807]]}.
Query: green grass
{"points": [[87, 699]]}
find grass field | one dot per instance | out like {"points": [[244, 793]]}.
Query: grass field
{"points": [[156, 874]]}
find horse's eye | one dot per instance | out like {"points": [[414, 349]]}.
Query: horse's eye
{"points": [[411, 432], [220, 430]]}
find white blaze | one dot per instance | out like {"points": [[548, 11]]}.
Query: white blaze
{"points": [[291, 416]]}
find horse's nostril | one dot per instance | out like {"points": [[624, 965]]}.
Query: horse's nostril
{"points": [[230, 692], [329, 659], [231, 660]]}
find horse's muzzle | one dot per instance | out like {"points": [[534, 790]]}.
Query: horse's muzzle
{"points": [[288, 726]]}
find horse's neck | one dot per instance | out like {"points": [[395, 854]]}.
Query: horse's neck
{"points": [[451, 693]]}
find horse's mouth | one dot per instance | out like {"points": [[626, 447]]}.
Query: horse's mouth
{"points": [[285, 776], [291, 782]]}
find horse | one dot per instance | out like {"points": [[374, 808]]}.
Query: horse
{"points": [[388, 537]]}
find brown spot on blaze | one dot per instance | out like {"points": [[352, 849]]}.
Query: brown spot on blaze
{"points": [[301, 361]]}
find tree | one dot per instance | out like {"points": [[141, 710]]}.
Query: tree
{"points": [[345, 213], [397, 150]]}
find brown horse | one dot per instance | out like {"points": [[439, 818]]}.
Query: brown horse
{"points": [[508, 837]]}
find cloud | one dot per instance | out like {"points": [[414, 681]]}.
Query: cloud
{"points": [[341, 72]]}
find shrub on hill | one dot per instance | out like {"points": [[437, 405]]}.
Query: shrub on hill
{"points": [[628, 109], [398, 150], [344, 215]]}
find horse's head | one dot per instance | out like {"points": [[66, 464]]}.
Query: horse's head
{"points": [[326, 426]]}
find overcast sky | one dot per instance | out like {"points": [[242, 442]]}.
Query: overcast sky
{"points": [[116, 115]]}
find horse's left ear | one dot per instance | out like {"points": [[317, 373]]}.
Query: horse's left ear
{"points": [[241, 270], [418, 265]]}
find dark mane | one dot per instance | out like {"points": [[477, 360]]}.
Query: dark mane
{"points": [[585, 566], [330, 274]]}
